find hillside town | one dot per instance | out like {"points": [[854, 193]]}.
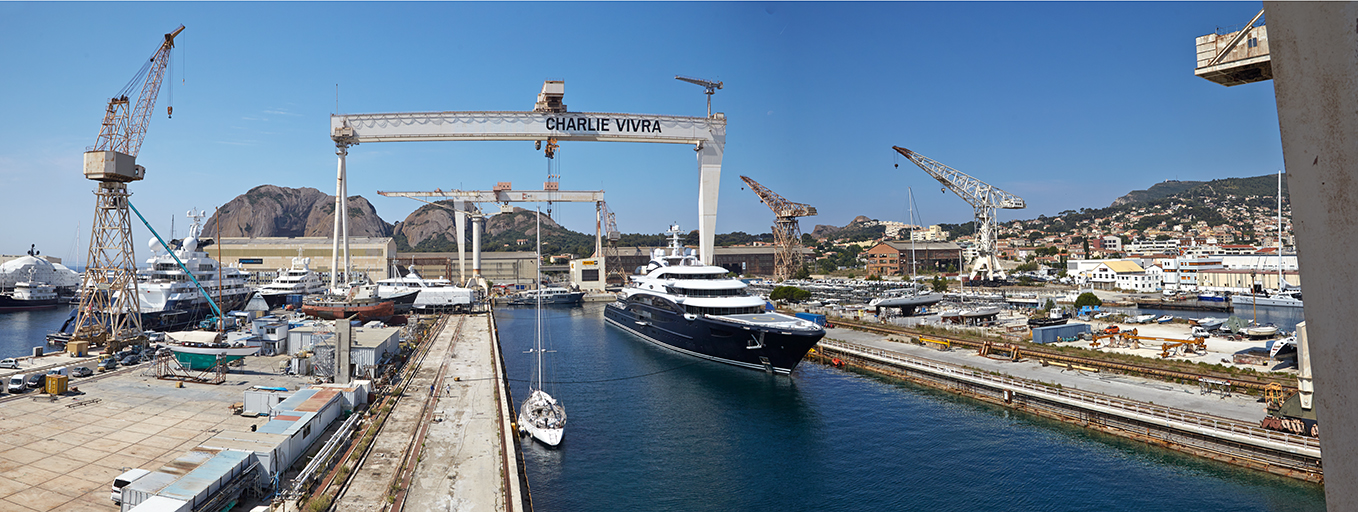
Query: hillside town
{"points": [[1197, 242]]}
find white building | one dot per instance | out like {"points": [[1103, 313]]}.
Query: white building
{"points": [[1123, 275], [1140, 246]]}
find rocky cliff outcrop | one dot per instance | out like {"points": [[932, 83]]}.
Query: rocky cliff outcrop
{"points": [[272, 211], [428, 222], [822, 230]]}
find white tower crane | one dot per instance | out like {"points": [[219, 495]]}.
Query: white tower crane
{"points": [[710, 85], [984, 198]]}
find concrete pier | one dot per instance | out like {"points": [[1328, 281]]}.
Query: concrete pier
{"points": [[448, 444], [1175, 416]]}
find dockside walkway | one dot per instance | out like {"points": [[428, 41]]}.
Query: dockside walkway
{"points": [[1175, 416], [448, 444]]}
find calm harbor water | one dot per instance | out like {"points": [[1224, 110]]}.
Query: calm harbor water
{"points": [[652, 429], [20, 331]]}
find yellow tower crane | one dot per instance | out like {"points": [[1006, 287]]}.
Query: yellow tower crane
{"points": [[786, 233]]}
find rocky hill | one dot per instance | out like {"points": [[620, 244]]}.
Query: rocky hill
{"points": [[432, 229], [272, 211], [1266, 185], [823, 230]]}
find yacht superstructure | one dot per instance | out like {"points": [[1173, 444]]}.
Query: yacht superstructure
{"points": [[170, 299], [298, 280], [679, 303]]}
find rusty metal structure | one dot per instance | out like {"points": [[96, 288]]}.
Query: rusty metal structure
{"points": [[166, 367], [1224, 60], [609, 227], [109, 307], [786, 232]]}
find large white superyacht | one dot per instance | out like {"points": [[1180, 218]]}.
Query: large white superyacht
{"points": [[298, 280], [170, 299], [678, 302]]}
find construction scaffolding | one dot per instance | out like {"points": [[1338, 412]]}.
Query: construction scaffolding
{"points": [[166, 367]]}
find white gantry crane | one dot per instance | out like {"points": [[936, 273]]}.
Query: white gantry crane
{"points": [[984, 198]]}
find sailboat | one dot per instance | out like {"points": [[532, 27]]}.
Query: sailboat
{"points": [[541, 416], [1283, 297]]}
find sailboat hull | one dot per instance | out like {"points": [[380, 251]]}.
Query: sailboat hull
{"points": [[542, 417]]}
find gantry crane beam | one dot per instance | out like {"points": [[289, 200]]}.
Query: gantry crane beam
{"points": [[502, 194], [508, 196], [786, 231], [984, 199], [707, 135]]}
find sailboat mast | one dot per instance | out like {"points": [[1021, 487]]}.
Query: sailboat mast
{"points": [[1280, 231], [911, 207], [537, 287]]}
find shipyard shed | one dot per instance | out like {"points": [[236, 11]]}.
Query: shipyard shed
{"points": [[273, 452], [201, 484], [371, 347], [1054, 333], [305, 337], [192, 478], [288, 434], [260, 402], [163, 504]]}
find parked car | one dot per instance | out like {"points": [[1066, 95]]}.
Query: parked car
{"points": [[16, 383], [35, 380], [109, 364], [81, 371], [60, 370], [130, 360], [1112, 329], [9, 362]]}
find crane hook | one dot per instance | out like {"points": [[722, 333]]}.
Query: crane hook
{"points": [[169, 112]]}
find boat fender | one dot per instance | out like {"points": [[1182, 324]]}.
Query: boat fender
{"points": [[457, 379]]}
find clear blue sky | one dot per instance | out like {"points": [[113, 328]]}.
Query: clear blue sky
{"points": [[1067, 105]]}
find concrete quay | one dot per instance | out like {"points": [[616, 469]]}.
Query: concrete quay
{"points": [[63, 454], [449, 442], [1178, 417]]}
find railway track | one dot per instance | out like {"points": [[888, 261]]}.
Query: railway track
{"points": [[1024, 350]]}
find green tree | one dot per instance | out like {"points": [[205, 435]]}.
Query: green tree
{"points": [[1087, 299], [1027, 267], [808, 240], [939, 283], [802, 273], [1049, 306], [790, 294]]}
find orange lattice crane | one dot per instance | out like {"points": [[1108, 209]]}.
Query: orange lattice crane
{"points": [[786, 233]]}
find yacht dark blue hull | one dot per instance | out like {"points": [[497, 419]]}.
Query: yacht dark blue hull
{"points": [[740, 341]]}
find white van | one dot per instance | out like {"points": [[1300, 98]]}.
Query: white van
{"points": [[16, 383], [124, 480]]}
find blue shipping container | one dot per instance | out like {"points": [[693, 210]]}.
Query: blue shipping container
{"points": [[1054, 333], [818, 319]]}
